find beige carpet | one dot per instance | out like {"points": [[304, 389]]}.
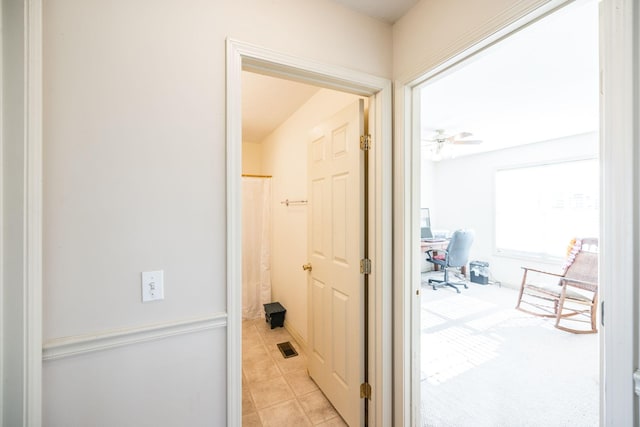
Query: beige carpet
{"points": [[486, 364]]}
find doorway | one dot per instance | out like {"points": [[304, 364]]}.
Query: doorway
{"points": [[250, 58], [614, 79], [520, 118], [284, 123]]}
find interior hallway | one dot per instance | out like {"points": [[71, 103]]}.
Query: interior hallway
{"points": [[278, 391]]}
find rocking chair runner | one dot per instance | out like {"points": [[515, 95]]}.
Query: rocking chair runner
{"points": [[573, 297]]}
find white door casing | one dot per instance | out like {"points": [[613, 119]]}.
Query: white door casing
{"points": [[21, 189], [242, 55], [619, 185], [335, 248]]}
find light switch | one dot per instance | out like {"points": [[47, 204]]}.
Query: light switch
{"points": [[152, 285]]}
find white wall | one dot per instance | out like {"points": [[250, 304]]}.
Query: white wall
{"points": [[134, 180], [252, 158], [436, 30], [463, 195], [285, 158], [167, 382]]}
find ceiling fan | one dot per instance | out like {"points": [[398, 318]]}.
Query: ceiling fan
{"points": [[440, 142]]}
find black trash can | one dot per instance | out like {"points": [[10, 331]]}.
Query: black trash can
{"points": [[274, 312]]}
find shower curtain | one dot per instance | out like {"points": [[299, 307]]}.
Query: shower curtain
{"points": [[256, 234]]}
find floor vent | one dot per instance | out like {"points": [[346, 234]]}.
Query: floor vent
{"points": [[287, 349]]}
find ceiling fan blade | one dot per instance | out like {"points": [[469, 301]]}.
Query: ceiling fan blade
{"points": [[461, 135]]}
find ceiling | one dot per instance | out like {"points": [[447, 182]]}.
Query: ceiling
{"points": [[267, 102], [386, 10], [539, 84]]}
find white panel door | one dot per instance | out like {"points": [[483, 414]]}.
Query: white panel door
{"points": [[335, 248]]}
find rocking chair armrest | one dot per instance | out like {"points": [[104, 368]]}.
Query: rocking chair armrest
{"points": [[578, 281], [582, 284], [542, 272]]}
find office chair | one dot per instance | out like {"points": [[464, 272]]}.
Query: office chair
{"points": [[455, 256]]}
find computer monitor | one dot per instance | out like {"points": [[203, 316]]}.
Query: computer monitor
{"points": [[425, 224], [425, 233]]}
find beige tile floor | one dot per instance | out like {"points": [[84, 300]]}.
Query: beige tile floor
{"points": [[278, 391]]}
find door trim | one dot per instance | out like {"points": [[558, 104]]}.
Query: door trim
{"points": [[619, 200], [619, 97], [244, 56], [27, 185]]}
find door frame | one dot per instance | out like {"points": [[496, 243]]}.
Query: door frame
{"points": [[21, 394], [245, 56], [619, 209]]}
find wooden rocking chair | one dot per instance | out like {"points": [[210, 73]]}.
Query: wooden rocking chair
{"points": [[570, 299]]}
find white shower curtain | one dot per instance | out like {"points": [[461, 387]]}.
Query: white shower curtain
{"points": [[256, 235]]}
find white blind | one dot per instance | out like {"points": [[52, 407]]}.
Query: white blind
{"points": [[539, 209]]}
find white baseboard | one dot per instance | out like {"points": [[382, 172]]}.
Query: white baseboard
{"points": [[296, 335], [81, 344]]}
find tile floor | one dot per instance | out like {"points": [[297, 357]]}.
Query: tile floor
{"points": [[278, 391]]}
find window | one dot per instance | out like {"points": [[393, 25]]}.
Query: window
{"points": [[539, 209]]}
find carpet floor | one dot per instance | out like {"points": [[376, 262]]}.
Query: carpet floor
{"points": [[483, 363]]}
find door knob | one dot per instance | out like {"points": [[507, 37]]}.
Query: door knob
{"points": [[307, 267]]}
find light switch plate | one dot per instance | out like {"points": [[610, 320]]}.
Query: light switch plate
{"points": [[152, 285]]}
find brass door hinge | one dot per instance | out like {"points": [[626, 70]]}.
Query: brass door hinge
{"points": [[365, 142], [365, 391], [365, 266]]}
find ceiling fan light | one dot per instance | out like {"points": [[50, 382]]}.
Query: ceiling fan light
{"points": [[447, 150]]}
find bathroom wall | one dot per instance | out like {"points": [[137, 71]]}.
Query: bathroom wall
{"points": [[285, 157], [252, 158]]}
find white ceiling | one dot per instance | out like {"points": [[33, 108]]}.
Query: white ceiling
{"points": [[537, 85], [267, 102], [386, 10]]}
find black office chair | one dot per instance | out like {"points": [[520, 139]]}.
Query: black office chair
{"points": [[455, 256]]}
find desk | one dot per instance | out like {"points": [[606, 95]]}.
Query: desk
{"points": [[435, 245]]}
